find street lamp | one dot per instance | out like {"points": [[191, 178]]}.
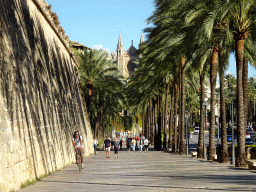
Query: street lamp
{"points": [[204, 149], [232, 94], [187, 137]]}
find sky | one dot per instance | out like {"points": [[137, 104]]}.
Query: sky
{"points": [[98, 23]]}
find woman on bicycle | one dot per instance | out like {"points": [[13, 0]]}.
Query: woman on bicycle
{"points": [[78, 145]]}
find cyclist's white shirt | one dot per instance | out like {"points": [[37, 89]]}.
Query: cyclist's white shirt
{"points": [[77, 141], [145, 142]]}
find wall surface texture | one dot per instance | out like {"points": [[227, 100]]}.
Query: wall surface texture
{"points": [[40, 103]]}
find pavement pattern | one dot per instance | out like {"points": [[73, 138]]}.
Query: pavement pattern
{"points": [[152, 171]]}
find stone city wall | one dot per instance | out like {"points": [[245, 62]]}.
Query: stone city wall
{"points": [[40, 103]]}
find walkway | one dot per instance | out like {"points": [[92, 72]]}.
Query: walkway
{"points": [[152, 171]]}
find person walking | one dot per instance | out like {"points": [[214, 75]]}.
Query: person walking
{"points": [[95, 144], [116, 147], [121, 143], [140, 146], [133, 144], [107, 145], [146, 143], [128, 144], [78, 146]]}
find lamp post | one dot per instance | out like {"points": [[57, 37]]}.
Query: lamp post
{"points": [[232, 94], [204, 149], [187, 142]]}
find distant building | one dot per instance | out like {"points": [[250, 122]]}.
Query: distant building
{"points": [[125, 60]]}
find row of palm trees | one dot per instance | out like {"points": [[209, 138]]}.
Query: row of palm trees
{"points": [[190, 40]]}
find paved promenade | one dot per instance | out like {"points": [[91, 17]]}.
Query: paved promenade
{"points": [[152, 171]]}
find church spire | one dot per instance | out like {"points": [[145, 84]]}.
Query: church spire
{"points": [[141, 38], [120, 43]]}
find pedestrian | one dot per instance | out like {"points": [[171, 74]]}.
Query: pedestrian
{"points": [[116, 147], [78, 146], [140, 146], [121, 143], [142, 138], [112, 144], [128, 144], [107, 145], [146, 143], [133, 144], [95, 144]]}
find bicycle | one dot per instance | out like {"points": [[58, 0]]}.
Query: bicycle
{"points": [[79, 163]]}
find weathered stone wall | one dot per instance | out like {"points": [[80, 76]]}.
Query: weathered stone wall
{"points": [[40, 103]]}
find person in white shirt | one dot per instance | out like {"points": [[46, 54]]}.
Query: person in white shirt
{"points": [[133, 144], [146, 142], [78, 145], [95, 144]]}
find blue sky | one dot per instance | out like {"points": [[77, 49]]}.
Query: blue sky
{"points": [[97, 23]]}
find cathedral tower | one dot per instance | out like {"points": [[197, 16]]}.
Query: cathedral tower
{"points": [[120, 54]]}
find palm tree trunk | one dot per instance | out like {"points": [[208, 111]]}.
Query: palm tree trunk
{"points": [[176, 100], [154, 103], [245, 89], [213, 76], [182, 106], [165, 116], [200, 148], [151, 122], [224, 145], [159, 123], [146, 122], [241, 156], [171, 120]]}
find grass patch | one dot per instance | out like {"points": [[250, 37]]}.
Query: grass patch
{"points": [[30, 182], [251, 146], [100, 143]]}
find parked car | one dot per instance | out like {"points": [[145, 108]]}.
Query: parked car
{"points": [[229, 138], [247, 136], [249, 141], [249, 128], [196, 130]]}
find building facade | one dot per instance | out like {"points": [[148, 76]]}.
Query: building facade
{"points": [[125, 59]]}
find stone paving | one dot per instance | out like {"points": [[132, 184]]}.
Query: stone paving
{"points": [[152, 171]]}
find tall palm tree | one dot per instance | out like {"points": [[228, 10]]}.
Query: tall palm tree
{"points": [[99, 77]]}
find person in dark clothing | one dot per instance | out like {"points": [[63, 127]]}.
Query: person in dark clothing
{"points": [[121, 143], [107, 145], [116, 147], [128, 144]]}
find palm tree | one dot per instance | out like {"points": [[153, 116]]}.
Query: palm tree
{"points": [[99, 77]]}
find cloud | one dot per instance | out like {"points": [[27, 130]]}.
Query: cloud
{"points": [[98, 47]]}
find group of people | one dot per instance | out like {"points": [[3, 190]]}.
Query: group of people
{"points": [[131, 142], [134, 142], [116, 144]]}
